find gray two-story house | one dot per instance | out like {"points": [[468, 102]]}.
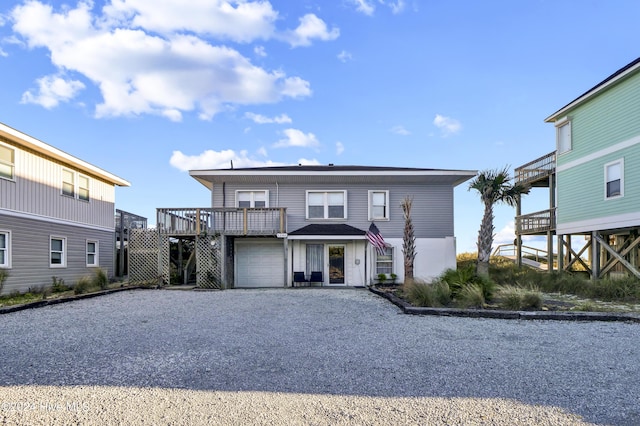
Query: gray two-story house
{"points": [[56, 214], [273, 225]]}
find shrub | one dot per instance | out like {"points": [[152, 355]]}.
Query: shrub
{"points": [[58, 285], [100, 279], [4, 274], [515, 298], [460, 278], [82, 286], [471, 296], [422, 294]]}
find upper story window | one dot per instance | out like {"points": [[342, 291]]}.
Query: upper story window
{"points": [[326, 204], [5, 249], [613, 178], [75, 185], [58, 252], [7, 162], [378, 205], [83, 188], [249, 199], [563, 135], [68, 183]]}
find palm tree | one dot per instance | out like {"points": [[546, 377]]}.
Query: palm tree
{"points": [[495, 187], [408, 239]]}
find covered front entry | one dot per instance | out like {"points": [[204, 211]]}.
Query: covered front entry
{"points": [[332, 269], [259, 263]]}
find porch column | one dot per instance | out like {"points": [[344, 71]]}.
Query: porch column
{"points": [[595, 256], [560, 240], [223, 261], [518, 236], [550, 250], [285, 245]]}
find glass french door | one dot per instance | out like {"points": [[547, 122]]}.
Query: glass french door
{"points": [[336, 264]]}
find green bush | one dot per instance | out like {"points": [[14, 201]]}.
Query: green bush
{"points": [[422, 294], [58, 285], [460, 278], [516, 298], [82, 286], [100, 279], [471, 296]]}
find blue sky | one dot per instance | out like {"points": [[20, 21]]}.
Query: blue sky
{"points": [[148, 90]]}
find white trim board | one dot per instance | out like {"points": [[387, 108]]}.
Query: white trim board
{"points": [[40, 218], [599, 154], [626, 220]]}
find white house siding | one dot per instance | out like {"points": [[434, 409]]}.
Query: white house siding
{"points": [[37, 189], [30, 255], [433, 257]]}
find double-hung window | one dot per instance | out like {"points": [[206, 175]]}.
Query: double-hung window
{"points": [[378, 205], [68, 183], [326, 204], [613, 177], [563, 135], [7, 162], [83, 188], [384, 262], [92, 253], [5, 249], [252, 199], [57, 252]]}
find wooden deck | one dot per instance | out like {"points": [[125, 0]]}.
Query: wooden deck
{"points": [[222, 221]]}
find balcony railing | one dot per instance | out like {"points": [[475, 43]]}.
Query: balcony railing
{"points": [[535, 223], [537, 169], [230, 221]]}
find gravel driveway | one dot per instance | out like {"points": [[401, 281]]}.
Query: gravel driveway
{"points": [[306, 356]]}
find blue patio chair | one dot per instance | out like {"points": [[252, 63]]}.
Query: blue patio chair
{"points": [[316, 277], [299, 278]]}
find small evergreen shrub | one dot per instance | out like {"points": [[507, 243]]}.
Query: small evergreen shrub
{"points": [[422, 294], [82, 286], [58, 285], [100, 279], [471, 296]]}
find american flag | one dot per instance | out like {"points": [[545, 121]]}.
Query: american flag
{"points": [[375, 238]]}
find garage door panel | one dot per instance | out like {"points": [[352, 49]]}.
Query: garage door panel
{"points": [[259, 264]]}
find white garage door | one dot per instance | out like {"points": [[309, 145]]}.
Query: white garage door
{"points": [[259, 263]]}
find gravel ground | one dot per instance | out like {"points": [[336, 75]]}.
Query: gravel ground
{"points": [[307, 356]]}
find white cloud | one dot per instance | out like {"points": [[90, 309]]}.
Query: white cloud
{"points": [[363, 6], [448, 126], [397, 7], [311, 27], [339, 148], [295, 137], [260, 51], [211, 159], [246, 22], [52, 90], [344, 56], [262, 151], [400, 130], [261, 119], [154, 57]]}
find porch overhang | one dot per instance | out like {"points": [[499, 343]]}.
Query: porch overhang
{"points": [[337, 231]]}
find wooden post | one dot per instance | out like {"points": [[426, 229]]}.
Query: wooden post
{"points": [[282, 230], [595, 256], [244, 221], [560, 240], [518, 229], [197, 221]]}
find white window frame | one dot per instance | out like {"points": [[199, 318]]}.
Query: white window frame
{"points": [[619, 162], [63, 252], [73, 183], [252, 200], [12, 165], [80, 188], [326, 204], [561, 127], [95, 253], [378, 262], [7, 249], [386, 205]]}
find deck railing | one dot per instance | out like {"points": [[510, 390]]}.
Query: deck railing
{"points": [[534, 223], [230, 221], [536, 169]]}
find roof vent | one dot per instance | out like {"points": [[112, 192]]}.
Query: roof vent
{"points": [[330, 164]]}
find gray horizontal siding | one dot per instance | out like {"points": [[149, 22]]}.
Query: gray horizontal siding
{"points": [[432, 211], [37, 189], [30, 252]]}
